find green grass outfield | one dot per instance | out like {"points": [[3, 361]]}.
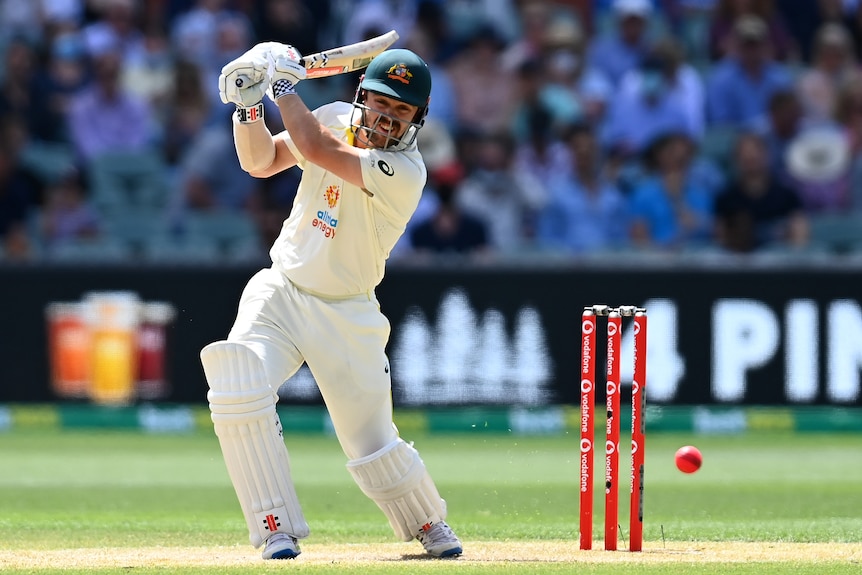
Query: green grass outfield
{"points": [[126, 502]]}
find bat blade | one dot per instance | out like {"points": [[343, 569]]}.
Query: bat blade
{"points": [[340, 60], [348, 58]]}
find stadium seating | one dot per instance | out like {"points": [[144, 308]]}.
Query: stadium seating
{"points": [[122, 180], [135, 226], [105, 250], [168, 251], [223, 227], [838, 232]]}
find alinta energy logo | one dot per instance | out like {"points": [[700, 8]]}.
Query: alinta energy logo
{"points": [[470, 356], [325, 221]]}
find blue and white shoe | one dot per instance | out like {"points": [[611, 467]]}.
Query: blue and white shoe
{"points": [[439, 540], [281, 546]]}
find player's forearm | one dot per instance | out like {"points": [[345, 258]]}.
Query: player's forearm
{"points": [[254, 145], [309, 137]]}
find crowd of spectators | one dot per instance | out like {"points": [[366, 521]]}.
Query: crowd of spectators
{"points": [[561, 127]]}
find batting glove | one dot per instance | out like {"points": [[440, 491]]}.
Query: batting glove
{"points": [[287, 70]]}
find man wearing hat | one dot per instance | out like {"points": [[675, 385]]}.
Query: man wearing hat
{"points": [[741, 85], [362, 179], [617, 53]]}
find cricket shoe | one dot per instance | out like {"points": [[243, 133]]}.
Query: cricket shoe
{"points": [[281, 546], [439, 540]]}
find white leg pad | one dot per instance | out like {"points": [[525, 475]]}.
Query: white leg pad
{"points": [[395, 478], [250, 435]]}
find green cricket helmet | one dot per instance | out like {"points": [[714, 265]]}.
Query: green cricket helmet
{"points": [[398, 74]]}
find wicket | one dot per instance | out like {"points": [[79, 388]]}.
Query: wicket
{"points": [[589, 342]]}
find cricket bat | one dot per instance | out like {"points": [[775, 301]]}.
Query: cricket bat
{"points": [[347, 58]]}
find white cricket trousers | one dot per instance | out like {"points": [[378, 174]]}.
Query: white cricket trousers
{"points": [[343, 342]]}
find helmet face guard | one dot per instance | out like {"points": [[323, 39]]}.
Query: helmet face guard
{"points": [[364, 131]]}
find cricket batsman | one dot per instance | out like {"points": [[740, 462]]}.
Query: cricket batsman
{"points": [[362, 179]]}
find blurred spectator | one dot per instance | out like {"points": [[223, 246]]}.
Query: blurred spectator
{"points": [[563, 51], [585, 212], [704, 172], [810, 154], [359, 16], [669, 210], [444, 104], [435, 27], [23, 19], [849, 117], [740, 86], [624, 48], [834, 64], [117, 30], [541, 154], [150, 77], [783, 124], [61, 16], [683, 83], [482, 87], [690, 21], [210, 176], [195, 33], [288, 21], [187, 111], [852, 22], [729, 12], [507, 199], [504, 15], [233, 37], [66, 73], [450, 229], [819, 163], [438, 149], [535, 16], [21, 94], [755, 210], [67, 215], [534, 92], [467, 147], [804, 19], [20, 193], [105, 118], [642, 110]]}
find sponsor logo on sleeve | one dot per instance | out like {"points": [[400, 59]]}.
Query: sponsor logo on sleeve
{"points": [[385, 168]]}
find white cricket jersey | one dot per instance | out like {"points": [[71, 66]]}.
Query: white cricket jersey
{"points": [[338, 237]]}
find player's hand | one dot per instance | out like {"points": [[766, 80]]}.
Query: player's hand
{"points": [[244, 81], [287, 65]]}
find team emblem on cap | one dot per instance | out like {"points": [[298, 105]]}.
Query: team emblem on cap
{"points": [[400, 72]]}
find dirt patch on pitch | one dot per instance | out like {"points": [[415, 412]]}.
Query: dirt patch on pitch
{"points": [[476, 552]]}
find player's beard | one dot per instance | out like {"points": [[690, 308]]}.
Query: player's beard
{"points": [[382, 133]]}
